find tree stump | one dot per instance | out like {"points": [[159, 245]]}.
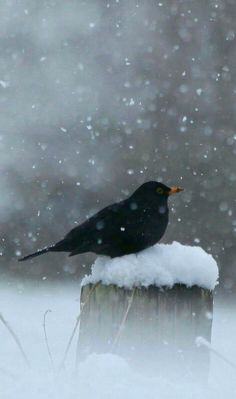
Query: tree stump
{"points": [[154, 328]]}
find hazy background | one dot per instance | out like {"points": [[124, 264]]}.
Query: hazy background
{"points": [[98, 97]]}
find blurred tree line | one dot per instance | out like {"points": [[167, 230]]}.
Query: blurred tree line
{"points": [[99, 98]]}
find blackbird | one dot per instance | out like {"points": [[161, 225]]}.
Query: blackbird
{"points": [[125, 227]]}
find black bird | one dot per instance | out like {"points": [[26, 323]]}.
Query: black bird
{"points": [[122, 228]]}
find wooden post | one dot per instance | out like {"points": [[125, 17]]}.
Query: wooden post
{"points": [[155, 328]]}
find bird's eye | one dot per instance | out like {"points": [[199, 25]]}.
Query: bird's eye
{"points": [[160, 190]]}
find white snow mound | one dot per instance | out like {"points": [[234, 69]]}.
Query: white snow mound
{"points": [[160, 265]]}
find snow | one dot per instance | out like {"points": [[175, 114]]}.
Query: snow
{"points": [[160, 265], [99, 376]]}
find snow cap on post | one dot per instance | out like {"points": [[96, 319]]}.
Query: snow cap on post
{"points": [[161, 265]]}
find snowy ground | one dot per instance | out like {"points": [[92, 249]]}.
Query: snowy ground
{"points": [[100, 376]]}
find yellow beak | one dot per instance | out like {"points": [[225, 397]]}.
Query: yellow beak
{"points": [[174, 190]]}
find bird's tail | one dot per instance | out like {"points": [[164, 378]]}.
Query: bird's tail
{"points": [[60, 246], [40, 252]]}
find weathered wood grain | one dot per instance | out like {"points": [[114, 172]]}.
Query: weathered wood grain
{"points": [[160, 329]]}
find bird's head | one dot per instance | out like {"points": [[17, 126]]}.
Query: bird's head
{"points": [[158, 189]]}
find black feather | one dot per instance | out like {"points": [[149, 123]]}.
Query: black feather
{"points": [[122, 228]]}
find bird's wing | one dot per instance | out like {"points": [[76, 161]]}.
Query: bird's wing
{"points": [[111, 215]]}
